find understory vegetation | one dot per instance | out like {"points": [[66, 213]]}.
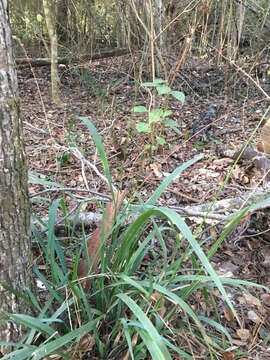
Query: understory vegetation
{"points": [[179, 268], [143, 300]]}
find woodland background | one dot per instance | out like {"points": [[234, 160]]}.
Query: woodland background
{"points": [[165, 87]]}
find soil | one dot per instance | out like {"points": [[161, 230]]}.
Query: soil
{"points": [[105, 93]]}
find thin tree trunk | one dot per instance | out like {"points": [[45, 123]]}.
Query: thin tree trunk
{"points": [[50, 16], [15, 235]]}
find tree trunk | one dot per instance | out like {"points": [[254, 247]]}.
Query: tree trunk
{"points": [[15, 235], [50, 16]]}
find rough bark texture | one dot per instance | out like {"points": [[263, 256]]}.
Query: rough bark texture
{"points": [[15, 236]]}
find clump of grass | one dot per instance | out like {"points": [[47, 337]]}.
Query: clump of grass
{"points": [[136, 308]]}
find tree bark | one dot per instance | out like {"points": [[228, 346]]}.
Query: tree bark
{"points": [[50, 16], [15, 235]]}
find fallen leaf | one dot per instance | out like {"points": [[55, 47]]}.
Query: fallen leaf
{"points": [[253, 316], [229, 315], [243, 334], [156, 168], [228, 355], [251, 300], [266, 299]]}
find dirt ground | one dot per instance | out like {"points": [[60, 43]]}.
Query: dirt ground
{"points": [[105, 93]]}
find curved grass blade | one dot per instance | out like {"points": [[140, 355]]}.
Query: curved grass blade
{"points": [[100, 148], [154, 340]]}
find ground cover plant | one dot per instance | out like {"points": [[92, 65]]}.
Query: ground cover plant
{"points": [[153, 159], [135, 307]]}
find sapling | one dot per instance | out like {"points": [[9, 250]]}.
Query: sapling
{"points": [[157, 118]]}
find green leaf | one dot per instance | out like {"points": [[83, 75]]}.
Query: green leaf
{"points": [[155, 196], [36, 178], [154, 342], [140, 109], [179, 96], [44, 350], [158, 81], [155, 115], [20, 354], [167, 113], [32, 323], [160, 140], [143, 127], [155, 83], [163, 89], [171, 123], [101, 150], [149, 84]]}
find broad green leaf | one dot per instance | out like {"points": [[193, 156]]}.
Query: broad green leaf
{"points": [[151, 345], [143, 127], [171, 123], [155, 83], [160, 140], [158, 81], [127, 334], [163, 89], [36, 178], [134, 283], [140, 109], [167, 113], [149, 84], [155, 115], [179, 96]]}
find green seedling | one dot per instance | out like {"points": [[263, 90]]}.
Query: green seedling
{"points": [[157, 118]]}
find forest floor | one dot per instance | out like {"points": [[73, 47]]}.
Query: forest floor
{"points": [[105, 94]]}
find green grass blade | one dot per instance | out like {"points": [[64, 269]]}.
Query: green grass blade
{"points": [[32, 323], [128, 337], [156, 195], [156, 339], [50, 348], [100, 148], [21, 354], [152, 346], [55, 295]]}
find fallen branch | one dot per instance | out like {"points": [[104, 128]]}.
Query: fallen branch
{"points": [[257, 158], [220, 211], [72, 59]]}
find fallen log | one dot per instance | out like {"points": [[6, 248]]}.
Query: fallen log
{"points": [[72, 59]]}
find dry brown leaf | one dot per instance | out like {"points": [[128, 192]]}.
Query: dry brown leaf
{"points": [[266, 299], [253, 316], [94, 242], [239, 342], [228, 355], [213, 233], [243, 334], [229, 315], [157, 170], [251, 300]]}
